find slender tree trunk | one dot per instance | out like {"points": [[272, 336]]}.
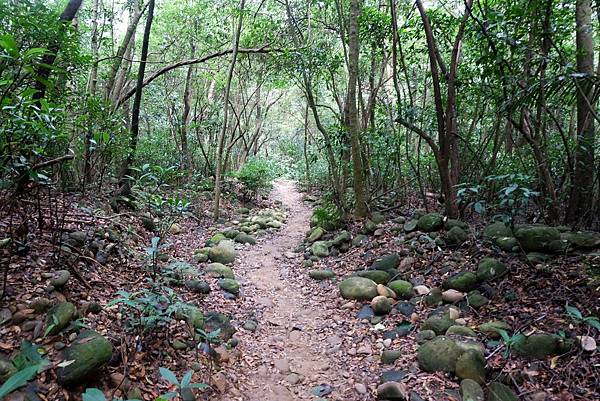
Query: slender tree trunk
{"points": [[580, 200], [360, 193], [135, 111], [221, 140], [185, 118]]}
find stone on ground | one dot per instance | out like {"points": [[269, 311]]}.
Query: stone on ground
{"points": [[315, 234], [230, 285], [244, 238], [402, 289], [60, 278], [381, 305], [463, 281], [539, 239], [59, 317], [223, 253], [471, 365], [456, 236], [320, 249], [88, 352], [490, 269], [439, 354], [430, 222], [378, 276], [387, 263], [500, 392], [323, 274], [358, 288], [471, 390], [219, 270]]}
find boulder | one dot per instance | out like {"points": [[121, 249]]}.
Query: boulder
{"points": [[470, 390], [88, 353], [193, 316], [434, 297], [536, 346], [582, 239], [476, 300], [490, 269], [358, 288], [460, 331], [315, 234], [451, 223], [324, 274], [59, 317], [223, 253], [231, 234], [497, 230], [410, 226], [424, 335], [402, 289], [452, 296], [218, 321], [244, 238], [60, 278], [198, 286], [391, 391], [386, 263], [359, 239], [389, 356], [439, 354], [463, 281], [500, 392], [215, 239], [320, 249], [386, 291], [456, 236], [491, 329], [438, 322], [471, 365], [369, 227], [508, 244], [219, 270], [430, 222], [539, 239], [342, 238], [378, 276], [230, 285], [381, 305]]}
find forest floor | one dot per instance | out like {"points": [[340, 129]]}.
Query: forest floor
{"points": [[296, 338]]}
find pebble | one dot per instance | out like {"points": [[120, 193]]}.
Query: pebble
{"points": [[282, 365], [421, 290], [293, 378], [360, 388]]}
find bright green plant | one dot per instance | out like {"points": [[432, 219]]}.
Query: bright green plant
{"points": [[576, 315], [256, 175], [94, 394], [184, 387], [29, 362], [509, 341]]}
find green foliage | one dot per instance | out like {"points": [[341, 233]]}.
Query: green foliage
{"points": [[94, 394], [578, 317], [327, 216], [29, 361], [257, 174], [509, 341], [183, 387]]}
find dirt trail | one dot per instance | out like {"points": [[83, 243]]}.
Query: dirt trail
{"points": [[285, 358]]}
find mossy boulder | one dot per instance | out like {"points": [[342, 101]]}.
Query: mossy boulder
{"points": [[451, 223], [386, 263], [381, 305], [324, 274], [476, 300], [471, 365], [470, 390], [219, 321], [460, 331], [439, 354], [230, 285], [193, 316], [456, 236], [389, 356], [507, 244], [315, 234], [438, 322], [378, 276], [582, 239], [198, 286], [219, 270], [341, 239], [463, 281], [320, 249], [402, 288], [215, 239], [231, 233], [430, 222], [60, 278], [59, 317], [538, 238], [369, 227], [492, 329], [88, 353], [497, 230], [500, 392], [223, 253], [358, 288], [536, 346], [244, 238], [490, 269]]}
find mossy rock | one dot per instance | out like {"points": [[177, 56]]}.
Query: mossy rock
{"points": [[536, 346], [507, 244], [470, 390], [193, 316], [538, 238], [438, 322], [359, 240], [389, 356], [434, 297], [381, 305], [223, 253], [219, 270], [244, 238], [388, 262], [460, 331], [88, 353], [439, 355], [451, 223], [219, 321], [342, 238], [410, 226], [430, 222], [582, 239], [315, 234], [490, 269], [60, 278], [500, 392], [231, 233], [369, 227], [148, 223], [198, 286], [320, 249], [324, 274], [402, 288], [463, 281], [358, 288], [215, 239], [230, 285], [456, 236], [243, 211], [471, 365], [378, 276], [492, 329], [476, 300], [59, 317], [497, 230]]}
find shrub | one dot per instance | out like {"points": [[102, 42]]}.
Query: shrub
{"points": [[256, 175]]}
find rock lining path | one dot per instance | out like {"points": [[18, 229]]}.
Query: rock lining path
{"points": [[286, 357]]}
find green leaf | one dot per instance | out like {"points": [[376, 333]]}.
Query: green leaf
{"points": [[591, 321], [93, 394], [17, 380], [573, 312], [187, 378], [169, 376]]}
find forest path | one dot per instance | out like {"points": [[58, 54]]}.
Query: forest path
{"points": [[284, 359]]}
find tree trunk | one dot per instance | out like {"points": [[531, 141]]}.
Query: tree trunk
{"points": [[580, 200], [360, 193], [135, 111], [221, 144]]}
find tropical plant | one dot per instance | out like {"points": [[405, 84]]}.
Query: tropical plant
{"points": [[183, 388]]}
